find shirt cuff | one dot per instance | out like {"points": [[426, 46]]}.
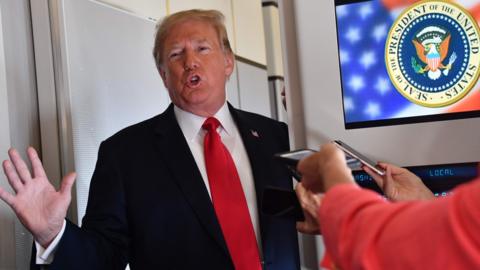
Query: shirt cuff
{"points": [[45, 256]]}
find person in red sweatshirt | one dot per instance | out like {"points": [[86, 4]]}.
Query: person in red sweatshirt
{"points": [[410, 230]]}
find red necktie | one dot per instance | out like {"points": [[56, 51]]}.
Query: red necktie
{"points": [[229, 200]]}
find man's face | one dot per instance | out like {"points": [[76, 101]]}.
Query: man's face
{"points": [[195, 67]]}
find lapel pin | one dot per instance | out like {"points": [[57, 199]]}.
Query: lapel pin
{"points": [[254, 133]]}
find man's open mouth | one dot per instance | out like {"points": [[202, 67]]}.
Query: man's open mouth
{"points": [[193, 80]]}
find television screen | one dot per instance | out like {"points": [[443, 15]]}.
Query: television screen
{"points": [[406, 61], [440, 179]]}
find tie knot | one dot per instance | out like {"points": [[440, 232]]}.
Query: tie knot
{"points": [[211, 124]]}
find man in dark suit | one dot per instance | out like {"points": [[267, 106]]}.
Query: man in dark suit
{"points": [[154, 199]]}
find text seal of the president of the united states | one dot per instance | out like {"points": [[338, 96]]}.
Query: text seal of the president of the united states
{"points": [[432, 53]]}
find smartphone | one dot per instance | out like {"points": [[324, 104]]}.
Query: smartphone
{"points": [[282, 203], [291, 159], [356, 155]]}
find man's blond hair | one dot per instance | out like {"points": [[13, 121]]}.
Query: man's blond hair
{"points": [[213, 17]]}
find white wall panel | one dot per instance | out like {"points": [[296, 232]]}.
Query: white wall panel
{"points": [[7, 218], [253, 89], [18, 102], [112, 79]]}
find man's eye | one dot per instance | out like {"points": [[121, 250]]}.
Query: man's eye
{"points": [[174, 55], [203, 49]]}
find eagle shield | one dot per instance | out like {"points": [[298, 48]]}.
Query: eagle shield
{"points": [[431, 45]]}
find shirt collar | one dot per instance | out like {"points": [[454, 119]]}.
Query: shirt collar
{"points": [[191, 124]]}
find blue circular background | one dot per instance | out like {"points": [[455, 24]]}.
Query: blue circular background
{"points": [[457, 44]]}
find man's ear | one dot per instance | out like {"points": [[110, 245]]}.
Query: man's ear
{"points": [[163, 74], [229, 63]]}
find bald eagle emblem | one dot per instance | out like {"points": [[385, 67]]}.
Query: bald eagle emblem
{"points": [[431, 44]]}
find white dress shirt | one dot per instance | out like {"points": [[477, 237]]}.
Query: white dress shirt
{"points": [[191, 126]]}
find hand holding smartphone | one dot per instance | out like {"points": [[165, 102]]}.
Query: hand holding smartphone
{"points": [[284, 203]]}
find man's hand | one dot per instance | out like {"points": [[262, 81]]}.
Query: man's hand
{"points": [[310, 203], [37, 204], [399, 184], [325, 169]]}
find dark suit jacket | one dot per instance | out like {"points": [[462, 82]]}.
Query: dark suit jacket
{"points": [[148, 205]]}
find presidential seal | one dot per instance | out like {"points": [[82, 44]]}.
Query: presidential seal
{"points": [[432, 53]]}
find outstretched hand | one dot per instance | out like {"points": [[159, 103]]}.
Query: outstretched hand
{"points": [[399, 184], [37, 204]]}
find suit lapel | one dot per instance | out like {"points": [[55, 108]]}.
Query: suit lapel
{"points": [[252, 141], [175, 152]]}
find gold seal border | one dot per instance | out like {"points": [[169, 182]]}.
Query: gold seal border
{"points": [[391, 74]]}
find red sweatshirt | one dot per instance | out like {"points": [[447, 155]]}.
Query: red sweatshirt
{"points": [[363, 231]]}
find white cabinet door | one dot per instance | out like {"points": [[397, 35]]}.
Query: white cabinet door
{"points": [[249, 32], [153, 9]]}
